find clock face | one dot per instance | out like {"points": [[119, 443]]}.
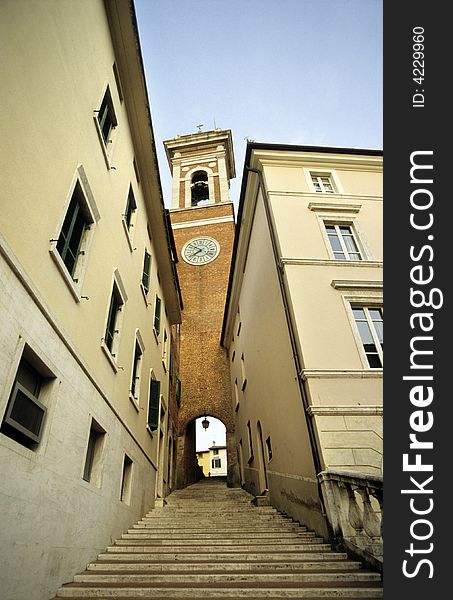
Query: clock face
{"points": [[200, 251]]}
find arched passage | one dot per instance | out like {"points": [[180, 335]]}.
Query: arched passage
{"points": [[188, 470]]}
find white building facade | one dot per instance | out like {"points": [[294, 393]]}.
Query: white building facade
{"points": [[89, 292]]}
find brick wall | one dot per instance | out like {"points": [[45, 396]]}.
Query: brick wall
{"points": [[204, 365]]}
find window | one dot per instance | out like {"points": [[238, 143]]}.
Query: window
{"points": [[216, 463], [178, 391], [154, 402], [70, 246], [165, 350], [146, 271], [369, 322], [215, 452], [134, 394], [199, 188], [25, 413], [236, 395], [249, 430], [106, 117], [118, 82], [157, 315], [171, 366], [269, 448], [126, 480], [342, 242], [129, 213], [115, 307], [244, 377], [73, 230], [92, 468], [110, 342], [322, 183]]}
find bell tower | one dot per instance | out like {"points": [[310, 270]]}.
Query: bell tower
{"points": [[202, 218]]}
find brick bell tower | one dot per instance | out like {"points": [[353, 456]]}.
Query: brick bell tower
{"points": [[202, 217]]}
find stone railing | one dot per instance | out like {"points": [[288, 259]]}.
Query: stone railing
{"points": [[354, 507]]}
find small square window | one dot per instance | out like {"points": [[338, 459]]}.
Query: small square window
{"points": [[93, 457], [323, 183]]}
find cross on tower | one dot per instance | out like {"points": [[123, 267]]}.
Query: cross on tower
{"points": [[199, 127]]}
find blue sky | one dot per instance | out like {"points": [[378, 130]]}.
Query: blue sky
{"points": [[284, 71]]}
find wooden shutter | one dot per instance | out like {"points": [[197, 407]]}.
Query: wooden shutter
{"points": [[154, 400]]}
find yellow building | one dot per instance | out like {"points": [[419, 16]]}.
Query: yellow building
{"points": [[303, 327], [213, 461], [89, 297]]}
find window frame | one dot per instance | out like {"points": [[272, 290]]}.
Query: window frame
{"points": [[136, 371], [371, 299], [154, 392], [322, 172], [338, 224], [157, 316], [118, 289], [107, 143], [129, 217], [45, 397], [94, 454], [370, 322], [75, 280]]}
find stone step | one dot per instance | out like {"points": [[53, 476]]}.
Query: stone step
{"points": [[218, 567], [75, 590], [120, 555], [215, 529], [220, 578], [152, 535], [219, 546]]}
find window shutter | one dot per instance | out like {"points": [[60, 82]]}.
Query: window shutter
{"points": [[178, 391], [154, 400]]}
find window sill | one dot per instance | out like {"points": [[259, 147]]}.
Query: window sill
{"points": [[73, 287], [109, 356], [150, 431], [135, 401], [250, 460], [105, 145], [128, 235], [156, 335], [145, 295]]}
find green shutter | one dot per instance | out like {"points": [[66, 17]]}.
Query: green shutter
{"points": [[154, 400], [171, 369]]}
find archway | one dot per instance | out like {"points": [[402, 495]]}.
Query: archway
{"points": [[211, 446], [188, 470]]}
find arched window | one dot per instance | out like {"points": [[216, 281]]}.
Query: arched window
{"points": [[199, 187]]}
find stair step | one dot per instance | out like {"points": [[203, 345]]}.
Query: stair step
{"points": [[199, 549], [91, 577], [152, 535], [196, 566], [224, 556], [76, 590], [133, 538]]}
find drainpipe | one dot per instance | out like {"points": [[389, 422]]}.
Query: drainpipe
{"points": [[291, 330]]}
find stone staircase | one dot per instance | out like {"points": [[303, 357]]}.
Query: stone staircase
{"points": [[210, 542]]}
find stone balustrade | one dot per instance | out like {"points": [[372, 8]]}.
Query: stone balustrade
{"points": [[354, 507]]}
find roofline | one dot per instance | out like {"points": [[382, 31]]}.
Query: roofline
{"points": [[301, 148], [251, 146]]}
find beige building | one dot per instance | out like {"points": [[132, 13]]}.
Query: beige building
{"points": [[213, 461], [89, 301], [303, 328]]}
